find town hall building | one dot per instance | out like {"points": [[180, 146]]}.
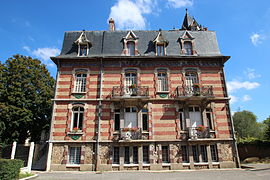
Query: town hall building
{"points": [[141, 100]]}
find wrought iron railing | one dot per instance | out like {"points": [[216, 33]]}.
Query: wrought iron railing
{"points": [[118, 91], [198, 132], [130, 134], [187, 91]]}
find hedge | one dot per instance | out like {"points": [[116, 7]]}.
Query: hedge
{"points": [[10, 168]]}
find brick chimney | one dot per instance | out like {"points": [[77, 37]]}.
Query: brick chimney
{"points": [[111, 25]]}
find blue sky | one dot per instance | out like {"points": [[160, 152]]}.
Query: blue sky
{"points": [[36, 28]]}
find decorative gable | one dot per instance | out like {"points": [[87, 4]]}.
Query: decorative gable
{"points": [[83, 44], [187, 44], [82, 39], [130, 44]]}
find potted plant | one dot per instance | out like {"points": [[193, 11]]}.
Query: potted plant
{"points": [[200, 128]]}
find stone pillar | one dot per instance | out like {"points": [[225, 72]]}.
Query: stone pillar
{"points": [[30, 157], [191, 161], [140, 157], [209, 157], [14, 145], [121, 158], [49, 157]]}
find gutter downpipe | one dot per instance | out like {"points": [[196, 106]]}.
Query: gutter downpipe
{"points": [[99, 117], [236, 155], [49, 155]]}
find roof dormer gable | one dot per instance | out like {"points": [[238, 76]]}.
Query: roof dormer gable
{"points": [[82, 39], [187, 36], [131, 36]]}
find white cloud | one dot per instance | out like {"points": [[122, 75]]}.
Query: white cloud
{"points": [[128, 14], [246, 98], [234, 99], [236, 85], [179, 3], [250, 73], [43, 54], [256, 38]]}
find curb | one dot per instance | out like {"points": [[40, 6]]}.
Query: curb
{"points": [[30, 177]]}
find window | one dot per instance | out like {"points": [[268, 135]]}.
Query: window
{"points": [[126, 157], [131, 117], [78, 113], [204, 153], [165, 154], [131, 82], [146, 154], [135, 155], [188, 47], [83, 50], [74, 155], [195, 152], [162, 81], [214, 153], [195, 116], [185, 156], [117, 119], [209, 118], [116, 155], [182, 120], [160, 50], [80, 83], [131, 48], [145, 119], [192, 83]]}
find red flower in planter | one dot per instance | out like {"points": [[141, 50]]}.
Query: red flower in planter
{"points": [[200, 128]]}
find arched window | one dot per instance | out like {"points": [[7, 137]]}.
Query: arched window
{"points": [[162, 80], [80, 83], [188, 47], [77, 118], [131, 48]]}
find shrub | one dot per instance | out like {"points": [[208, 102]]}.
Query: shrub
{"points": [[10, 168]]}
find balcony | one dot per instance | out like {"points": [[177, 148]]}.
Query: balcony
{"points": [[200, 132], [128, 134], [130, 92], [194, 91]]}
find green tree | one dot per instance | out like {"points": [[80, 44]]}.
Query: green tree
{"points": [[26, 90], [246, 125], [267, 128]]}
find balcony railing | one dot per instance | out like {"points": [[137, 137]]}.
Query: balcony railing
{"points": [[130, 134], [198, 132], [139, 91], [200, 91]]}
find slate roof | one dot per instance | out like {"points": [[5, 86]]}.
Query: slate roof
{"points": [[110, 43]]}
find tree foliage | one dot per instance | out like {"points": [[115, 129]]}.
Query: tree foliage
{"points": [[26, 90], [246, 125], [267, 128]]}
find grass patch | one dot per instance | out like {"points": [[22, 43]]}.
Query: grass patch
{"points": [[24, 175]]}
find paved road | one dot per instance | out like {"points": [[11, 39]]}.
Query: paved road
{"points": [[260, 173]]}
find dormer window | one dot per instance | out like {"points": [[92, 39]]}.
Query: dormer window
{"points": [[83, 45], [188, 48], [83, 50], [161, 44], [160, 50], [131, 48], [187, 44], [130, 44]]}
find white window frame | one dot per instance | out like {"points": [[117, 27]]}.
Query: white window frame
{"points": [[160, 49], [79, 113], [191, 78], [76, 153], [130, 80], [197, 110], [162, 81], [80, 48], [131, 48], [80, 82], [188, 48], [133, 112]]}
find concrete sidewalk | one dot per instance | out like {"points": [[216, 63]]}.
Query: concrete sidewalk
{"points": [[252, 171]]}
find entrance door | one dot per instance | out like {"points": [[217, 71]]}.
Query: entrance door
{"points": [[195, 116]]}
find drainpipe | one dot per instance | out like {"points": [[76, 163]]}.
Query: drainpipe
{"points": [[99, 117], [236, 155], [49, 155]]}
